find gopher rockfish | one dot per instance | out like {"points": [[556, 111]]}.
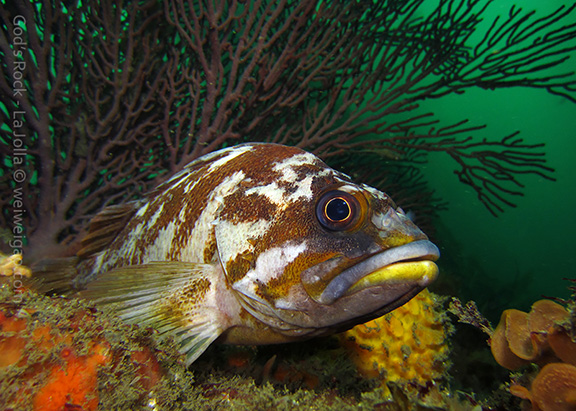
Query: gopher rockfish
{"points": [[253, 244]]}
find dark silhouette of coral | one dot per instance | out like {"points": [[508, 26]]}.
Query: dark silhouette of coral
{"points": [[99, 99]]}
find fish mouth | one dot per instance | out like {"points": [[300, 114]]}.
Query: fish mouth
{"points": [[406, 266]]}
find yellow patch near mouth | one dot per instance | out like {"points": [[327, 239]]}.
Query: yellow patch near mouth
{"points": [[424, 271]]}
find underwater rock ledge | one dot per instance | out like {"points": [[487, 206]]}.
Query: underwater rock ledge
{"points": [[63, 354]]}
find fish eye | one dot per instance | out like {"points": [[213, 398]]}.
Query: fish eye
{"points": [[338, 211]]}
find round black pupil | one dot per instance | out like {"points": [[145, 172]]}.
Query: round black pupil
{"points": [[337, 209]]}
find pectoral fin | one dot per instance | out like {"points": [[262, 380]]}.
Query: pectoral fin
{"points": [[175, 298]]}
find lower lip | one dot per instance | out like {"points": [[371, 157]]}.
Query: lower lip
{"points": [[422, 273], [417, 252]]}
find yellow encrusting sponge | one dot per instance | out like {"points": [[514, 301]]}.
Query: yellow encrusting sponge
{"points": [[407, 345]]}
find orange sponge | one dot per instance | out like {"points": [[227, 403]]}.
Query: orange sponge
{"points": [[408, 345]]}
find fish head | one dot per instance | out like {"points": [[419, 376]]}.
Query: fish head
{"points": [[309, 252]]}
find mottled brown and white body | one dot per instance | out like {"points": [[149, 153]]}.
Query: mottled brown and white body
{"points": [[254, 244]]}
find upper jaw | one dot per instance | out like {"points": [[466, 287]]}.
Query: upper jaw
{"points": [[408, 263]]}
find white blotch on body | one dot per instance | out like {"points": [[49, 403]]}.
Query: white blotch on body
{"points": [[233, 238], [156, 215], [142, 210], [159, 250], [304, 190], [231, 154], [287, 166], [199, 238], [270, 265], [272, 192]]}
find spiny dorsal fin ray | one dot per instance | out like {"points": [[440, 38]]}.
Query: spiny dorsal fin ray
{"points": [[175, 298], [105, 226]]}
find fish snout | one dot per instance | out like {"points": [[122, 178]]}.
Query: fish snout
{"points": [[395, 228]]}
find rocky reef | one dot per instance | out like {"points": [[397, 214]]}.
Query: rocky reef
{"points": [[65, 354]]}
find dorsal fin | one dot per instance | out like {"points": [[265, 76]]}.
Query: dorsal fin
{"points": [[105, 226], [55, 275]]}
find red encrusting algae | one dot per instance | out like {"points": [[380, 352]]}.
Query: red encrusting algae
{"points": [[58, 354]]}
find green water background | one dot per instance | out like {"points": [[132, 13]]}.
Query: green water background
{"points": [[516, 258]]}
